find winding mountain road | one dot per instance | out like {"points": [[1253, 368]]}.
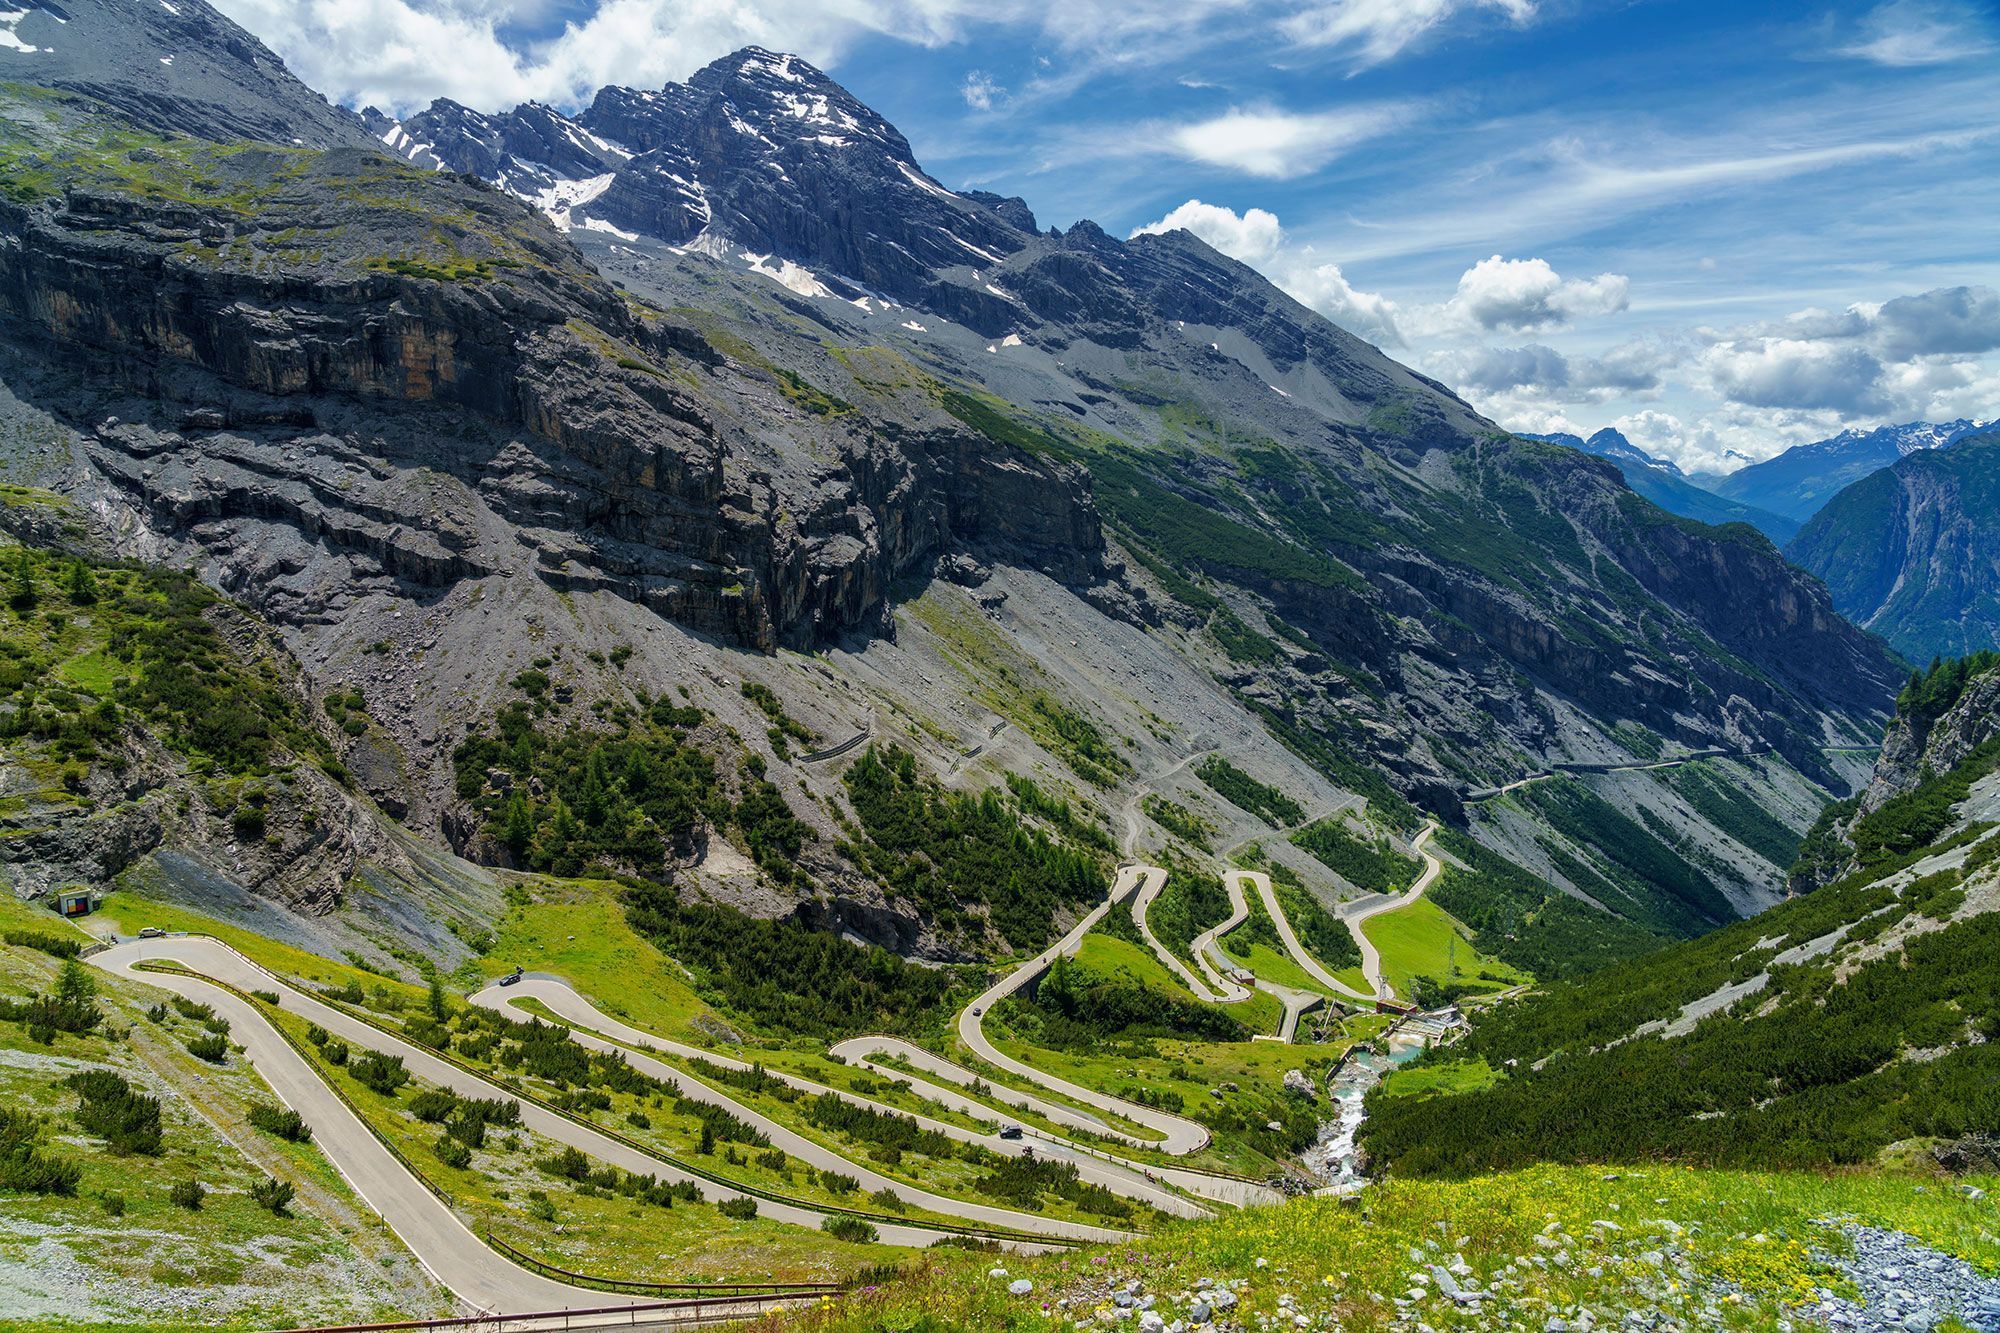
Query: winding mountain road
{"points": [[1144, 789], [1214, 989], [1359, 912], [446, 1247], [600, 1031], [1220, 988], [1217, 984], [1580, 769], [1313, 967], [1177, 1135], [443, 1244], [490, 1283]]}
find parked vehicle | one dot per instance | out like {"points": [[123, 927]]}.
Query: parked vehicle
{"points": [[151, 933]]}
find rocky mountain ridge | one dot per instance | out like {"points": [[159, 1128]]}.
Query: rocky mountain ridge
{"points": [[757, 155], [1661, 481]]}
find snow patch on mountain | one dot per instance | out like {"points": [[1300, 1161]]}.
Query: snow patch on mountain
{"points": [[986, 255], [563, 197], [9, 39], [923, 182], [787, 274]]}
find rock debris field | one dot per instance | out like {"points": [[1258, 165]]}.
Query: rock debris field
{"points": [[1888, 1282]]}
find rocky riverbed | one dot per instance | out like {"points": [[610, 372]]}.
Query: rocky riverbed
{"points": [[1334, 1161]]}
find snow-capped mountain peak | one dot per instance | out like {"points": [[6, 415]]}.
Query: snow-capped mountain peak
{"points": [[1610, 443], [745, 161], [1905, 439]]}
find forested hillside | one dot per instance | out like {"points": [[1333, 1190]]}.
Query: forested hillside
{"points": [[1856, 1016]]}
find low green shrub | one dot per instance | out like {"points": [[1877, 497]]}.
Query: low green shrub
{"points": [[285, 1123], [851, 1229]]}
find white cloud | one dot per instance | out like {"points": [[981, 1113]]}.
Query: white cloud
{"points": [[1527, 294], [1910, 353], [1113, 31], [400, 54], [1569, 185], [1793, 373], [1942, 389], [1379, 30], [1252, 236], [1749, 392], [1256, 237], [1537, 370], [1652, 430], [1535, 367], [1629, 368], [1282, 144], [1919, 32], [1523, 296], [1323, 287], [980, 91], [1723, 395], [1943, 320], [1534, 418]]}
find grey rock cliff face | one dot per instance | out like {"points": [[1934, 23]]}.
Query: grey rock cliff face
{"points": [[263, 384], [1917, 744], [183, 68]]}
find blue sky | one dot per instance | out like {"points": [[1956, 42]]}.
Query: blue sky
{"points": [[1725, 228]]}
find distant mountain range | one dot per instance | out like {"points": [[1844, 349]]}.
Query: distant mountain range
{"points": [[1776, 496], [1799, 482], [1912, 551], [1901, 522], [1667, 486]]}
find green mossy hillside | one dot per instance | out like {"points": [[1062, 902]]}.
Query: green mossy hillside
{"points": [[1366, 861], [952, 853], [1817, 1033], [89, 650]]}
